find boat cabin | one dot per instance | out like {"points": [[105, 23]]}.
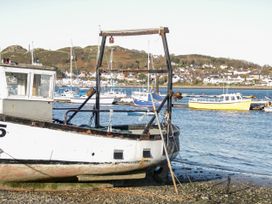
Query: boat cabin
{"points": [[26, 91], [230, 97]]}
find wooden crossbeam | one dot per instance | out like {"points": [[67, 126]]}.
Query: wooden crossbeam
{"points": [[134, 70], [149, 31]]}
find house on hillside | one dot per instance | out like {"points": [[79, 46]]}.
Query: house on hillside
{"points": [[212, 79], [176, 78]]}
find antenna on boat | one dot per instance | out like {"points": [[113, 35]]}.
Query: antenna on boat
{"points": [[71, 63]]}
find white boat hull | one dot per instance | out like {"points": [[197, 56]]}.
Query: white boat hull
{"points": [[268, 109], [34, 153], [103, 101]]}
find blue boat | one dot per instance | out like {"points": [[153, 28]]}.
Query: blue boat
{"points": [[144, 99]]}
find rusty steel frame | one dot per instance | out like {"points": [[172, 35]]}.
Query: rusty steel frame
{"points": [[160, 31]]}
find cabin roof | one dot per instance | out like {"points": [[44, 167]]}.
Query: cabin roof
{"points": [[28, 66]]}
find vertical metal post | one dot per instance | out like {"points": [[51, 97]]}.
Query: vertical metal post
{"points": [[98, 65], [169, 67]]}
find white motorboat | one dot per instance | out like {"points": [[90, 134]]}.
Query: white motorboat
{"points": [[105, 99], [268, 109]]}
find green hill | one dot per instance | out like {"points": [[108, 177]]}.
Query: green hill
{"points": [[199, 60], [85, 58]]}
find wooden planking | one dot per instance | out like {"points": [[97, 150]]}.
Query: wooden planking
{"points": [[131, 176]]}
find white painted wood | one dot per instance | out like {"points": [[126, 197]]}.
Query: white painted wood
{"points": [[24, 142]]}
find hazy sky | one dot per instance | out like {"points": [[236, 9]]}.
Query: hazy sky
{"points": [[240, 29]]}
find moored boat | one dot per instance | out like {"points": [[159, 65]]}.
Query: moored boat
{"points": [[105, 100], [231, 101], [35, 146], [146, 99], [268, 109]]}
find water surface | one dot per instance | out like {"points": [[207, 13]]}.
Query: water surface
{"points": [[231, 141]]}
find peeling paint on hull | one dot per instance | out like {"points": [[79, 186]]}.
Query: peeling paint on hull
{"points": [[26, 172], [30, 153]]}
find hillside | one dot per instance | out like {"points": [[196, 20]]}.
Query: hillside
{"points": [[85, 58], [199, 60]]}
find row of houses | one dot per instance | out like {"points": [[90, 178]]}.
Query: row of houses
{"points": [[181, 75], [227, 75]]}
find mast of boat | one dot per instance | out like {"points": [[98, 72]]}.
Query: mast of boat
{"points": [[71, 63], [32, 53], [156, 75], [111, 58], [148, 68]]}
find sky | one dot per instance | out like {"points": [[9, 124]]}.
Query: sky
{"points": [[237, 29]]}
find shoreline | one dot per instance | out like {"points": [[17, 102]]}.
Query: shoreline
{"points": [[220, 87], [203, 87], [188, 87], [195, 185]]}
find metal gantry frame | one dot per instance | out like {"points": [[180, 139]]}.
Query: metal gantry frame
{"points": [[162, 31]]}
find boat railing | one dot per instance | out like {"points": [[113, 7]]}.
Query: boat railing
{"points": [[72, 110]]}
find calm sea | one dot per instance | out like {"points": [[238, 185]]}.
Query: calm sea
{"points": [[238, 142]]}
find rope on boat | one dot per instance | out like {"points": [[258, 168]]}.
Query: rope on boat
{"points": [[110, 120], [27, 165], [164, 146]]}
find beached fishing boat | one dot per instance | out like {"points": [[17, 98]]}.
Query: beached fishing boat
{"points": [[35, 146], [232, 101]]}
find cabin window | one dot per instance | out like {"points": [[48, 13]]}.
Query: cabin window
{"points": [[233, 98], [227, 98], [147, 153], [16, 84], [118, 154], [41, 85]]}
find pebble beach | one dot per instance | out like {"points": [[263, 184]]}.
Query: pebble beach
{"points": [[235, 189], [199, 192]]}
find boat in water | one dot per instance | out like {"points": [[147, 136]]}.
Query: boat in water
{"points": [[105, 99], [268, 109], [35, 146], [65, 93], [268, 106], [146, 99], [229, 101]]}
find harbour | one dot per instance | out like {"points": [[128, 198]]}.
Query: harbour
{"points": [[135, 102], [227, 151]]}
